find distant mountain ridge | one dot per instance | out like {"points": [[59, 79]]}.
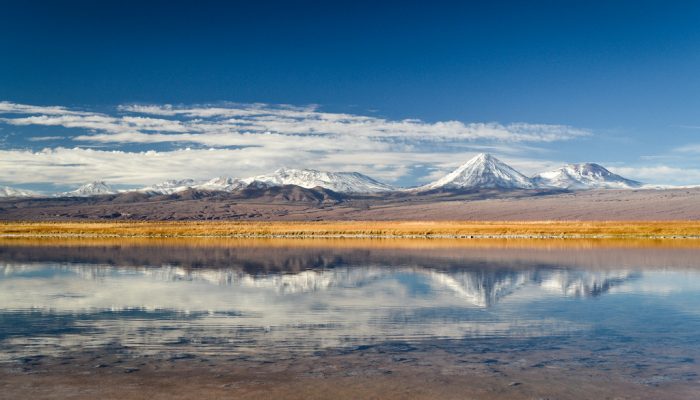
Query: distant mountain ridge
{"points": [[96, 188], [343, 182], [170, 186], [583, 176], [487, 172], [484, 171], [7, 191]]}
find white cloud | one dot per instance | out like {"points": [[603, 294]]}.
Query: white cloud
{"points": [[689, 148], [101, 123], [44, 138], [201, 122], [249, 139], [7, 107], [660, 174], [77, 165], [74, 166]]}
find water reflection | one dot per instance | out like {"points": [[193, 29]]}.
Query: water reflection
{"points": [[476, 287], [242, 299]]}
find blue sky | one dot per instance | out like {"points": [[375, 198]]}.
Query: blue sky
{"points": [[403, 91]]}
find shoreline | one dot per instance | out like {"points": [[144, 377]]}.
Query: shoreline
{"points": [[687, 230], [341, 236]]}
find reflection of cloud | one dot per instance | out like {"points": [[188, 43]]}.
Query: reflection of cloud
{"points": [[310, 309], [481, 288], [663, 282]]}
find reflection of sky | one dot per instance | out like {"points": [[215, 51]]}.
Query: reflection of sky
{"points": [[48, 307]]}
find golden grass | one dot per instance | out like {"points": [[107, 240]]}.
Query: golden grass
{"points": [[350, 243], [388, 229]]}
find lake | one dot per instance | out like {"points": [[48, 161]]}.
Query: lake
{"points": [[352, 318]]}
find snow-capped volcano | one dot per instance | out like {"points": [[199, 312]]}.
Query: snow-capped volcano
{"points": [[482, 171], [343, 182], [7, 191], [583, 176], [90, 189]]}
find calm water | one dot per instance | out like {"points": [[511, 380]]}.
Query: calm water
{"points": [[285, 297]]}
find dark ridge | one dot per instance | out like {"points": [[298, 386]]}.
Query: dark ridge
{"points": [[294, 203], [292, 193]]}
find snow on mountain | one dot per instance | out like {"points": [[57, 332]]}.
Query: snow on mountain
{"points": [[223, 184], [170, 186], [7, 191], [344, 182], [90, 189], [583, 176], [482, 171], [486, 171], [348, 182]]}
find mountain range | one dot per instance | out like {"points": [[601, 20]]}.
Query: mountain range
{"points": [[6, 191], [484, 171], [583, 176], [90, 189]]}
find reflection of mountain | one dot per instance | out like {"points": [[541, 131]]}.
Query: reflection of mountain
{"points": [[584, 283], [59, 306], [265, 257], [478, 287], [482, 287]]}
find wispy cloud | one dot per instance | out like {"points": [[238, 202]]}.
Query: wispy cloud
{"points": [[688, 126], [100, 123], [261, 118], [45, 138], [691, 148], [200, 122], [7, 107], [660, 174], [242, 139]]}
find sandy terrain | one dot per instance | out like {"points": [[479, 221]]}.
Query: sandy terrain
{"points": [[676, 204]]}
